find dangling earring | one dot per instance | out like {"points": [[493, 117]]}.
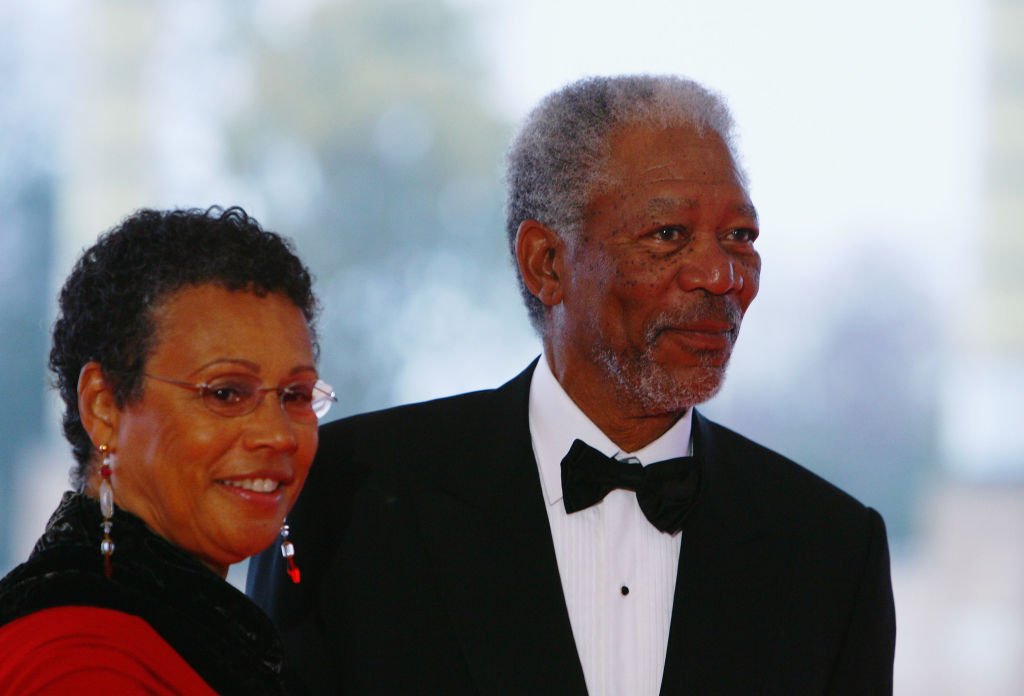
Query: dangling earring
{"points": [[288, 551], [106, 506]]}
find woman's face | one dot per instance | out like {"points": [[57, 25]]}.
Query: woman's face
{"points": [[216, 486]]}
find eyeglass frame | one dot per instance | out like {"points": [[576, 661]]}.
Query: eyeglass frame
{"points": [[202, 388]]}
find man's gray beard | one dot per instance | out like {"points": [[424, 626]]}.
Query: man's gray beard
{"points": [[642, 380], [645, 382]]}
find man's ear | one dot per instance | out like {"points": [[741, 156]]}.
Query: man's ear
{"points": [[97, 406], [540, 252]]}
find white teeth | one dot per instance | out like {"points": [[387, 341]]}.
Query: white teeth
{"points": [[263, 485]]}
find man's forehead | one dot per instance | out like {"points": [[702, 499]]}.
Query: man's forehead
{"points": [[669, 169], [670, 204], [652, 151]]}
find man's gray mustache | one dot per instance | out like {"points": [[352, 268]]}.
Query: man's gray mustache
{"points": [[712, 308]]}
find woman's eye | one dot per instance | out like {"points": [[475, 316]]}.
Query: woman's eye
{"points": [[298, 393], [230, 393]]}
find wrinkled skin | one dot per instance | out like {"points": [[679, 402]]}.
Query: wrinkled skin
{"points": [[646, 304]]}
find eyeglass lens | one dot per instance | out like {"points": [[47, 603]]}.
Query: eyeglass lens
{"points": [[239, 395]]}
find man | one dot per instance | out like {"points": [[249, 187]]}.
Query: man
{"points": [[461, 546]]}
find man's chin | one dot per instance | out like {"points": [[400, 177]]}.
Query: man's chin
{"points": [[675, 392], [661, 391]]}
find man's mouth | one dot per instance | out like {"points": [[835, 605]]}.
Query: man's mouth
{"points": [[701, 339]]}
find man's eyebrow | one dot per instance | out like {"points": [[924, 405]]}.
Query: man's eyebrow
{"points": [[662, 205], [668, 205], [748, 210]]}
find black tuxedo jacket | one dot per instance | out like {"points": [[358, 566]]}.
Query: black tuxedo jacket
{"points": [[428, 567]]}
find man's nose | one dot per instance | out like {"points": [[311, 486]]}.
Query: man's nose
{"points": [[710, 267]]}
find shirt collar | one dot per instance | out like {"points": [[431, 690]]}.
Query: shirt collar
{"points": [[556, 421]]}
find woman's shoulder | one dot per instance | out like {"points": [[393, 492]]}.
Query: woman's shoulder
{"points": [[88, 650]]}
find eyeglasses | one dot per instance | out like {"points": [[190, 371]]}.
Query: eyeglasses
{"points": [[239, 395]]}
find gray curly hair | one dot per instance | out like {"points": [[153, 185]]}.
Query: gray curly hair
{"points": [[557, 160]]}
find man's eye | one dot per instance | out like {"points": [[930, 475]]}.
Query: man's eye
{"points": [[744, 234], [669, 234]]}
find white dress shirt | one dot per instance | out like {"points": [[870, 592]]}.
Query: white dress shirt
{"points": [[618, 571]]}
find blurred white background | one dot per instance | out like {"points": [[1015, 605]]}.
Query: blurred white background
{"points": [[885, 145]]}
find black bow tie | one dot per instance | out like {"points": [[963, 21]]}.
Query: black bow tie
{"points": [[666, 491]]}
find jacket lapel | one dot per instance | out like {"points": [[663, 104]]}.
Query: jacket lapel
{"points": [[729, 567], [506, 605]]}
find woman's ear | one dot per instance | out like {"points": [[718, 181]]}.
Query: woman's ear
{"points": [[97, 405], [539, 252]]}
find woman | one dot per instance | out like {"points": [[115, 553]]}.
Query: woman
{"points": [[173, 330]]}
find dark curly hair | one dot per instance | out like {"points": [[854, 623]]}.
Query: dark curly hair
{"points": [[106, 305]]}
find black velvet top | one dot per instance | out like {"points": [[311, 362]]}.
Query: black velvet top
{"points": [[223, 636]]}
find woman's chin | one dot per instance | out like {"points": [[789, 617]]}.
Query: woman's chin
{"points": [[243, 543]]}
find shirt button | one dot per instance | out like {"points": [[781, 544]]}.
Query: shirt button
{"points": [[624, 590]]}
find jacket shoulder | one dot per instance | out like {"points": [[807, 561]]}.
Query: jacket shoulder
{"points": [[776, 480], [450, 426], [432, 419]]}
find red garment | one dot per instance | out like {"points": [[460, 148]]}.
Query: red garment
{"points": [[86, 650]]}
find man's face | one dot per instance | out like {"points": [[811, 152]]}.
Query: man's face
{"points": [[656, 285]]}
